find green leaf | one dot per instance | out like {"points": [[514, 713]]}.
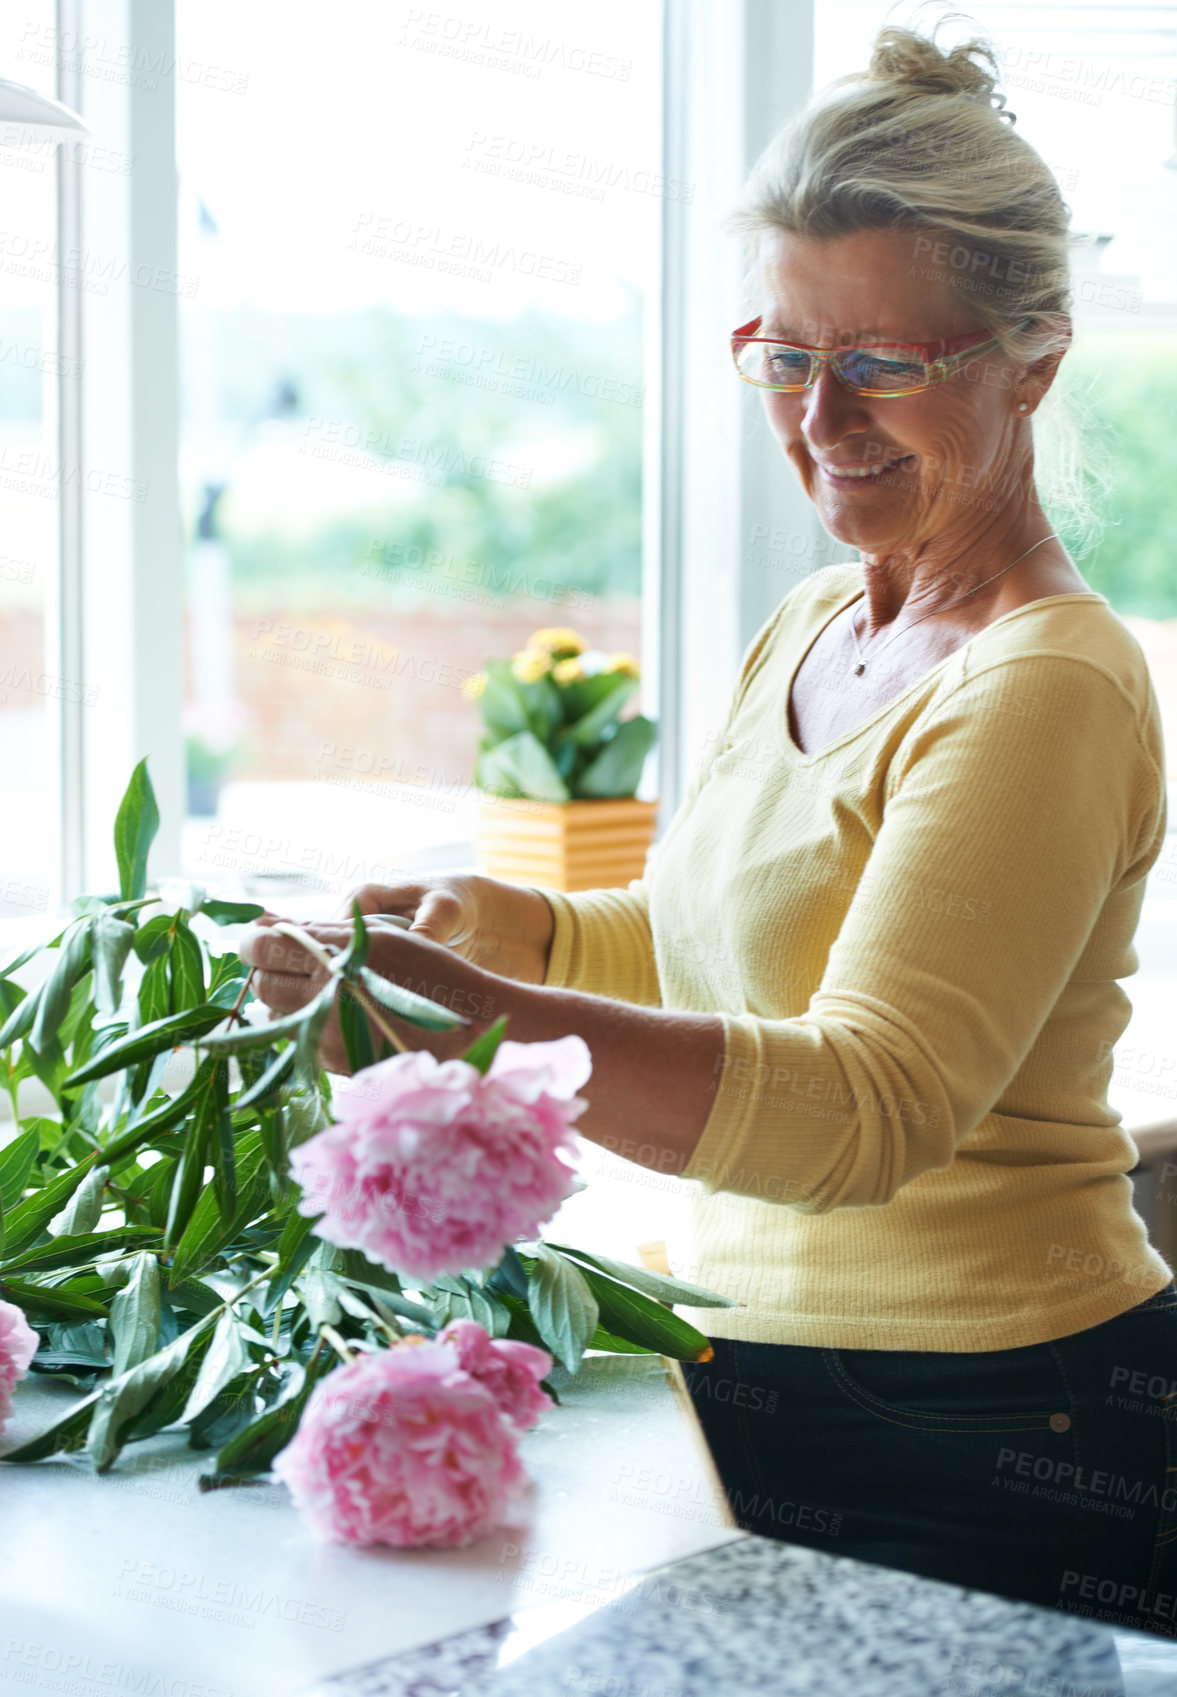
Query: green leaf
{"points": [[83, 1210], [271, 1131], [25, 1223], [110, 944], [221, 1147], [63, 1437], [227, 1355], [16, 1163], [148, 1041], [22, 959], [306, 1046], [305, 1111], [467, 1302], [78, 1249], [355, 1030], [317, 1289], [209, 1227], [73, 960], [407, 1005], [229, 913], [356, 953], [227, 980], [658, 1285], [167, 1405], [187, 967], [135, 826], [482, 1051], [562, 1305], [617, 769], [502, 701], [189, 1176], [135, 1315], [269, 1081], [153, 939], [521, 766], [140, 1132], [587, 730], [295, 1247], [121, 1399], [642, 1321], [260, 1036], [155, 992], [56, 1302], [20, 1021], [252, 1450]]}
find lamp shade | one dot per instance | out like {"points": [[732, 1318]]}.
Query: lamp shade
{"points": [[26, 116]]}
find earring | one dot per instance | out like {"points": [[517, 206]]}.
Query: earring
{"points": [[1023, 406]]}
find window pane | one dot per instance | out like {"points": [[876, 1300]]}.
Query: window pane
{"points": [[423, 248], [30, 687]]}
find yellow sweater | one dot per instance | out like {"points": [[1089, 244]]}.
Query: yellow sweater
{"points": [[913, 937]]}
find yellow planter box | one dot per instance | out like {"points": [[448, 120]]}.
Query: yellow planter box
{"points": [[565, 845]]}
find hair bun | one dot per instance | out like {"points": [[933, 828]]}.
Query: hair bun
{"points": [[914, 61]]}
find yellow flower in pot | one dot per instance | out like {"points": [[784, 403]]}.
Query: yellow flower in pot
{"points": [[559, 767]]}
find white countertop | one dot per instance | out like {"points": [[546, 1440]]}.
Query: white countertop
{"points": [[137, 1582]]}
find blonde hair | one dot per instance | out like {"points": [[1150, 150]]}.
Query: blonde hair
{"points": [[922, 141]]}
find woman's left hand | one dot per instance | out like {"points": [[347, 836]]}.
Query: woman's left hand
{"points": [[286, 977]]}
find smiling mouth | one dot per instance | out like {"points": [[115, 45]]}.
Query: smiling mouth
{"points": [[865, 473]]}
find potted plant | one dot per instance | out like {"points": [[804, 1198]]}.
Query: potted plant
{"points": [[558, 766]]}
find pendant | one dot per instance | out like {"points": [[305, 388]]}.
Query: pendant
{"points": [[860, 668]]}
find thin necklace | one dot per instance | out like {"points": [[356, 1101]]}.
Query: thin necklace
{"points": [[860, 667]]}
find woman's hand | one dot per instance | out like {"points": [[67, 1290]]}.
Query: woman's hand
{"points": [[505, 929], [286, 977]]}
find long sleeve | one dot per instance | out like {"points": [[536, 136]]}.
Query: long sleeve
{"points": [[601, 944], [1005, 831]]}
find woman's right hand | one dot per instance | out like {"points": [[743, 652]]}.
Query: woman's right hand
{"points": [[502, 928]]}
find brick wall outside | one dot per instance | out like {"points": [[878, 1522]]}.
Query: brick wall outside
{"points": [[379, 691]]}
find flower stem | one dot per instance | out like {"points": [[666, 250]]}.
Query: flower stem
{"points": [[337, 1343], [286, 929], [369, 1008]]}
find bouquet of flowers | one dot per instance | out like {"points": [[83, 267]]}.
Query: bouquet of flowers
{"points": [[552, 726], [359, 1295]]}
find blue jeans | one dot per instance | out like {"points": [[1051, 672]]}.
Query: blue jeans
{"points": [[1046, 1474]]}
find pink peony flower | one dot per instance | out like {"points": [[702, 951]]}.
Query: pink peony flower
{"points": [[18, 1345], [432, 1168], [402, 1447], [510, 1370]]}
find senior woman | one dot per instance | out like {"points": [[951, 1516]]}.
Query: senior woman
{"points": [[865, 995]]}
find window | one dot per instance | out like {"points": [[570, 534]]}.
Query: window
{"points": [[423, 248], [32, 688]]}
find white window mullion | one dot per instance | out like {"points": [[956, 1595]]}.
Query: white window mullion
{"points": [[130, 542], [65, 627], [737, 530]]}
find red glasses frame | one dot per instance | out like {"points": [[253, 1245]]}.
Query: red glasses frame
{"points": [[941, 359]]}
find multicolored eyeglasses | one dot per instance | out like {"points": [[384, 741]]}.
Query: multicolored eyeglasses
{"points": [[881, 369]]}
